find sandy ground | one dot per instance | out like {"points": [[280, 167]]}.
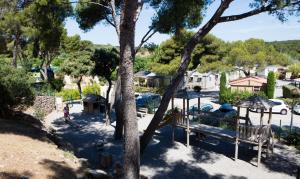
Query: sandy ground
{"points": [[162, 159], [25, 151]]}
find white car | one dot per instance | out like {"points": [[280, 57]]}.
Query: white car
{"points": [[297, 108], [280, 107]]}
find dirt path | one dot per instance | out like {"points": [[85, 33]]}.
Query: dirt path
{"points": [[26, 151]]}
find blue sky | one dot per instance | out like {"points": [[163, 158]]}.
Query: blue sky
{"points": [[261, 26]]}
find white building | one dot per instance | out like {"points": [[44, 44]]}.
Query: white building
{"points": [[205, 80]]}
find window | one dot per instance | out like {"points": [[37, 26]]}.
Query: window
{"points": [[191, 79], [199, 79]]}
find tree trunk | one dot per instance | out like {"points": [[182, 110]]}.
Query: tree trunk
{"points": [[79, 87], [185, 60], [127, 51], [108, 116], [15, 53], [118, 109]]}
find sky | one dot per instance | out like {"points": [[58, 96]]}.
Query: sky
{"points": [[262, 26]]}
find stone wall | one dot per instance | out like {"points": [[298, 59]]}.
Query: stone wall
{"points": [[44, 103]]}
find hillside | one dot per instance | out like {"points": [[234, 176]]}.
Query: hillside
{"points": [[291, 47]]}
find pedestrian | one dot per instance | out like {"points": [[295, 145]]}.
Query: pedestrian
{"points": [[66, 113]]}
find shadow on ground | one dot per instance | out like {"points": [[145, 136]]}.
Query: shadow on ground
{"points": [[23, 124], [85, 133], [204, 152]]}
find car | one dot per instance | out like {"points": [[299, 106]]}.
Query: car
{"points": [[296, 108], [226, 110], [203, 107], [280, 107], [147, 100]]}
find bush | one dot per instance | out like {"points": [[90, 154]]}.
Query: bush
{"points": [[142, 89], [197, 88], [69, 94], [15, 88], [293, 139], [288, 91], [92, 89]]}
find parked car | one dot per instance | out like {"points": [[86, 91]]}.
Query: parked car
{"points": [[280, 107], [226, 110], [203, 107], [148, 100], [297, 108]]}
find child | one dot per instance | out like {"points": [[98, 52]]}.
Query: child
{"points": [[66, 113]]}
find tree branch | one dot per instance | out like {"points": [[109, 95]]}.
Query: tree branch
{"points": [[115, 17], [110, 22], [145, 38], [139, 10], [267, 8], [91, 2]]}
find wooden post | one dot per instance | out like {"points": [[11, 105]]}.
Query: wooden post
{"points": [[188, 125], [270, 116], [172, 103], [173, 120], [198, 105], [259, 153], [261, 116], [183, 109], [237, 135]]}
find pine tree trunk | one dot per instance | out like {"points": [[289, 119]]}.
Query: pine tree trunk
{"points": [[79, 87], [108, 116], [15, 53], [127, 51], [118, 109]]}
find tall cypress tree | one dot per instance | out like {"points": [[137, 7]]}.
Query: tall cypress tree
{"points": [[223, 87], [271, 81]]}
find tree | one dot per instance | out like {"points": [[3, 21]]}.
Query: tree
{"points": [[77, 63], [223, 87], [271, 82], [46, 19], [106, 61], [295, 69], [279, 8]]}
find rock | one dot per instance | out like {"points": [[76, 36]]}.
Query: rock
{"points": [[95, 174]]}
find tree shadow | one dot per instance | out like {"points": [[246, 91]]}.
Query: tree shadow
{"points": [[23, 124], [14, 175], [158, 156], [60, 169], [84, 134]]}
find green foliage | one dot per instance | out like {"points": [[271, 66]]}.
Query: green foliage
{"points": [[69, 94], [271, 82], [290, 47], [174, 15], [92, 89], [293, 139], [289, 91], [142, 63], [39, 113], [295, 69], [142, 89], [234, 96], [15, 88], [223, 88], [106, 61]]}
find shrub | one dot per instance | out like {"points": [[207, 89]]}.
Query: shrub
{"points": [[223, 89], [197, 88], [92, 89], [293, 139], [271, 81], [15, 88], [289, 90], [142, 89], [69, 94]]}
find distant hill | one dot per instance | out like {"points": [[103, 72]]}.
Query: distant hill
{"points": [[291, 47]]}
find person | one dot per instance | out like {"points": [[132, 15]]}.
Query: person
{"points": [[66, 113]]}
